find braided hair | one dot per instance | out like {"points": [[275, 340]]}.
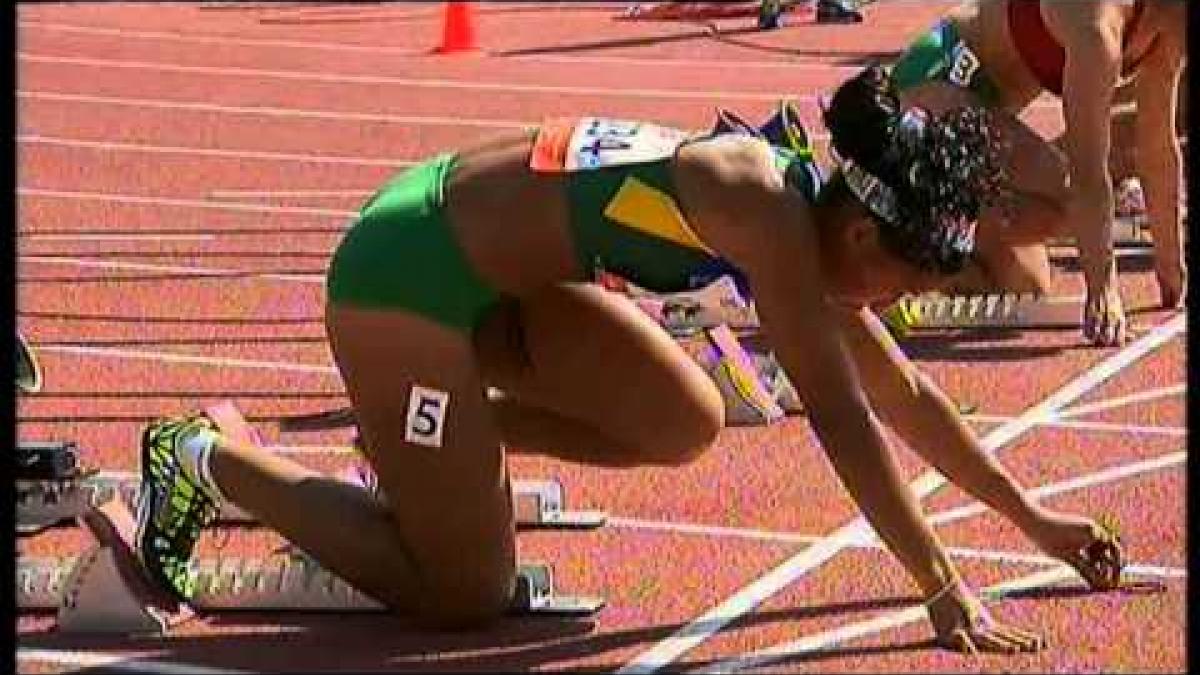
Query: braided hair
{"points": [[924, 179]]}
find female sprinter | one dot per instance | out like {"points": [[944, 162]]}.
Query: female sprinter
{"points": [[1003, 54], [470, 271]]}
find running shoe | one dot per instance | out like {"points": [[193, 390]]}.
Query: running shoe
{"points": [[172, 508], [901, 316], [835, 11], [770, 14]]}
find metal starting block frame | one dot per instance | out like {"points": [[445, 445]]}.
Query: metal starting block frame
{"points": [[1129, 232], [106, 590], [537, 503], [49, 496], [1007, 310]]}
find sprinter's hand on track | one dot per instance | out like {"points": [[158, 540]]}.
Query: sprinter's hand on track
{"points": [[1093, 548], [961, 623], [1104, 315]]}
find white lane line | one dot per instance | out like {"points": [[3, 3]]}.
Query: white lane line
{"points": [[269, 111], [1098, 478], [170, 269], [636, 62], [200, 106], [81, 659], [676, 527], [282, 192], [224, 153], [878, 624], [1102, 477], [380, 50], [745, 600], [1120, 401], [83, 236], [1084, 425], [193, 359], [423, 83], [149, 200]]}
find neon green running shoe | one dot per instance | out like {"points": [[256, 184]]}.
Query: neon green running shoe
{"points": [[901, 316], [172, 508]]}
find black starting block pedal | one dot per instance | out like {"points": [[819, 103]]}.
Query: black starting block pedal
{"points": [[29, 371], [47, 460], [107, 591]]}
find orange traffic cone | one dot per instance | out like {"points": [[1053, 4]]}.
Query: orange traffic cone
{"points": [[458, 29]]}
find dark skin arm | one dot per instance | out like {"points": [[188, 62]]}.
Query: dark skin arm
{"points": [[740, 206]]}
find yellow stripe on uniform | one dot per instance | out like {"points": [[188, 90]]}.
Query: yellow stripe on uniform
{"points": [[642, 207]]}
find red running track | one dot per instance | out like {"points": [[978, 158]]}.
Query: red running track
{"points": [[185, 170]]}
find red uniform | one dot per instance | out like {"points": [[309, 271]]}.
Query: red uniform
{"points": [[1040, 51]]}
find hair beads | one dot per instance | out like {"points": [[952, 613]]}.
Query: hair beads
{"points": [[943, 170]]}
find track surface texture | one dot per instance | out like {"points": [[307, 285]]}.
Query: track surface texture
{"points": [[186, 169]]}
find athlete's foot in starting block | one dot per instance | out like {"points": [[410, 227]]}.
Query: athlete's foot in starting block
{"points": [[538, 504], [52, 488], [1009, 310], [107, 590]]}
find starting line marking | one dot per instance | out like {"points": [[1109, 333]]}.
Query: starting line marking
{"points": [[1105, 476], [1109, 475], [1120, 401], [878, 624], [745, 600], [1084, 425]]}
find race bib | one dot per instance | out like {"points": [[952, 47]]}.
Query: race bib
{"points": [[965, 65], [596, 142]]}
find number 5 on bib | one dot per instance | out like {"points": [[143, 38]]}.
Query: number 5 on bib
{"points": [[426, 416]]}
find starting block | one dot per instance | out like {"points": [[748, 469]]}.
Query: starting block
{"points": [[1128, 232], [537, 503], [106, 590], [1008, 310], [29, 371], [687, 312], [52, 488], [750, 398]]}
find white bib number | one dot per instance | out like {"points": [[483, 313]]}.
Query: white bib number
{"points": [[599, 142], [426, 416], [965, 65]]}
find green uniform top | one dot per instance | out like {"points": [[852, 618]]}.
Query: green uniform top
{"points": [[625, 217]]}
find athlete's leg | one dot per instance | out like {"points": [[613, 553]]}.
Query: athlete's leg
{"points": [[1011, 236], [587, 377], [429, 435]]}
